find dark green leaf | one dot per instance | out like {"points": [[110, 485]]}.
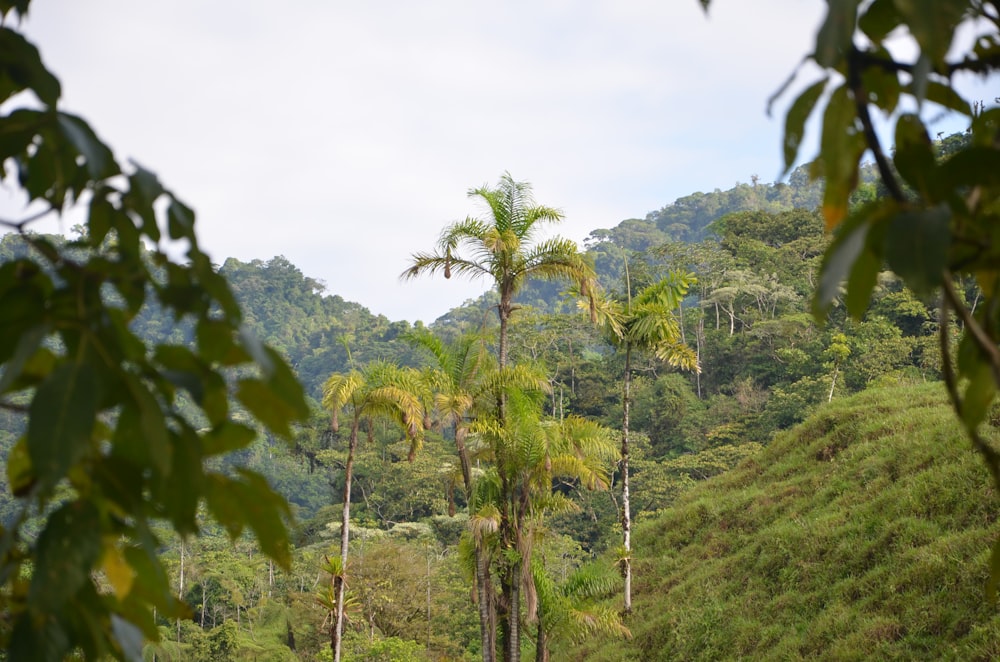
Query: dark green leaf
{"points": [[861, 282], [837, 264], [249, 500], [152, 427], [979, 394], [99, 159], [882, 88], [38, 640], [917, 247], [946, 96], [841, 147], [932, 24], [27, 343], [20, 477], [796, 118], [226, 437], [974, 166], [66, 553], [99, 222], [21, 68], [879, 20], [994, 580], [121, 481], [224, 503], [180, 220], [61, 417], [216, 342], [151, 583], [144, 190], [20, 6], [17, 131], [182, 487], [834, 37], [267, 406], [265, 512], [914, 156], [128, 637]]}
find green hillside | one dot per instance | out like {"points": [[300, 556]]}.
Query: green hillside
{"points": [[862, 534]]}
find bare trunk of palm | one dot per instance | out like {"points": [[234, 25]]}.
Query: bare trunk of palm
{"points": [[626, 512], [699, 334], [541, 643], [484, 588], [487, 606], [510, 578], [337, 633], [512, 643]]}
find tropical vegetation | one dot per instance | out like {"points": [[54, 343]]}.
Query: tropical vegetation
{"points": [[762, 381]]}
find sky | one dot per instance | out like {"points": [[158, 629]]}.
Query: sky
{"points": [[345, 135]]}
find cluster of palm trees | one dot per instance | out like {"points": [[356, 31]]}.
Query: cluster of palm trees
{"points": [[493, 412]]}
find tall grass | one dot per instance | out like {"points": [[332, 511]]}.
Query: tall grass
{"points": [[862, 534]]}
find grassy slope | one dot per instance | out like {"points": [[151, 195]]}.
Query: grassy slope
{"points": [[864, 533]]}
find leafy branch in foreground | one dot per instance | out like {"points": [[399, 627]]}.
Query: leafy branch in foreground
{"points": [[108, 451], [936, 226]]}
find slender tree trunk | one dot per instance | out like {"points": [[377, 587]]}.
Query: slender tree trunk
{"points": [[626, 512], [510, 578], [486, 606], [513, 650], [833, 383], [180, 590], [345, 532], [484, 589], [541, 643], [699, 334]]}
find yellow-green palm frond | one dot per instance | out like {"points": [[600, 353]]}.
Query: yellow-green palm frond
{"points": [[338, 391], [678, 355], [591, 475], [649, 326], [514, 379], [598, 620], [605, 311], [554, 503]]}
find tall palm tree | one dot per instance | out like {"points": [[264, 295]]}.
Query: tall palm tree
{"points": [[380, 390], [456, 379], [502, 248], [513, 496], [645, 323]]}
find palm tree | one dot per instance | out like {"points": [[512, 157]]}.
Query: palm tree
{"points": [[381, 390], [645, 323], [568, 611], [456, 380], [501, 248], [512, 497]]}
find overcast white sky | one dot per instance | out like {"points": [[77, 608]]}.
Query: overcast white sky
{"points": [[344, 135]]}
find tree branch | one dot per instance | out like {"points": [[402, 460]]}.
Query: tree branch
{"points": [[982, 339], [855, 64], [948, 300]]}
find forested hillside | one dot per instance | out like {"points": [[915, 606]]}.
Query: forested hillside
{"points": [[764, 367], [231, 462]]}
